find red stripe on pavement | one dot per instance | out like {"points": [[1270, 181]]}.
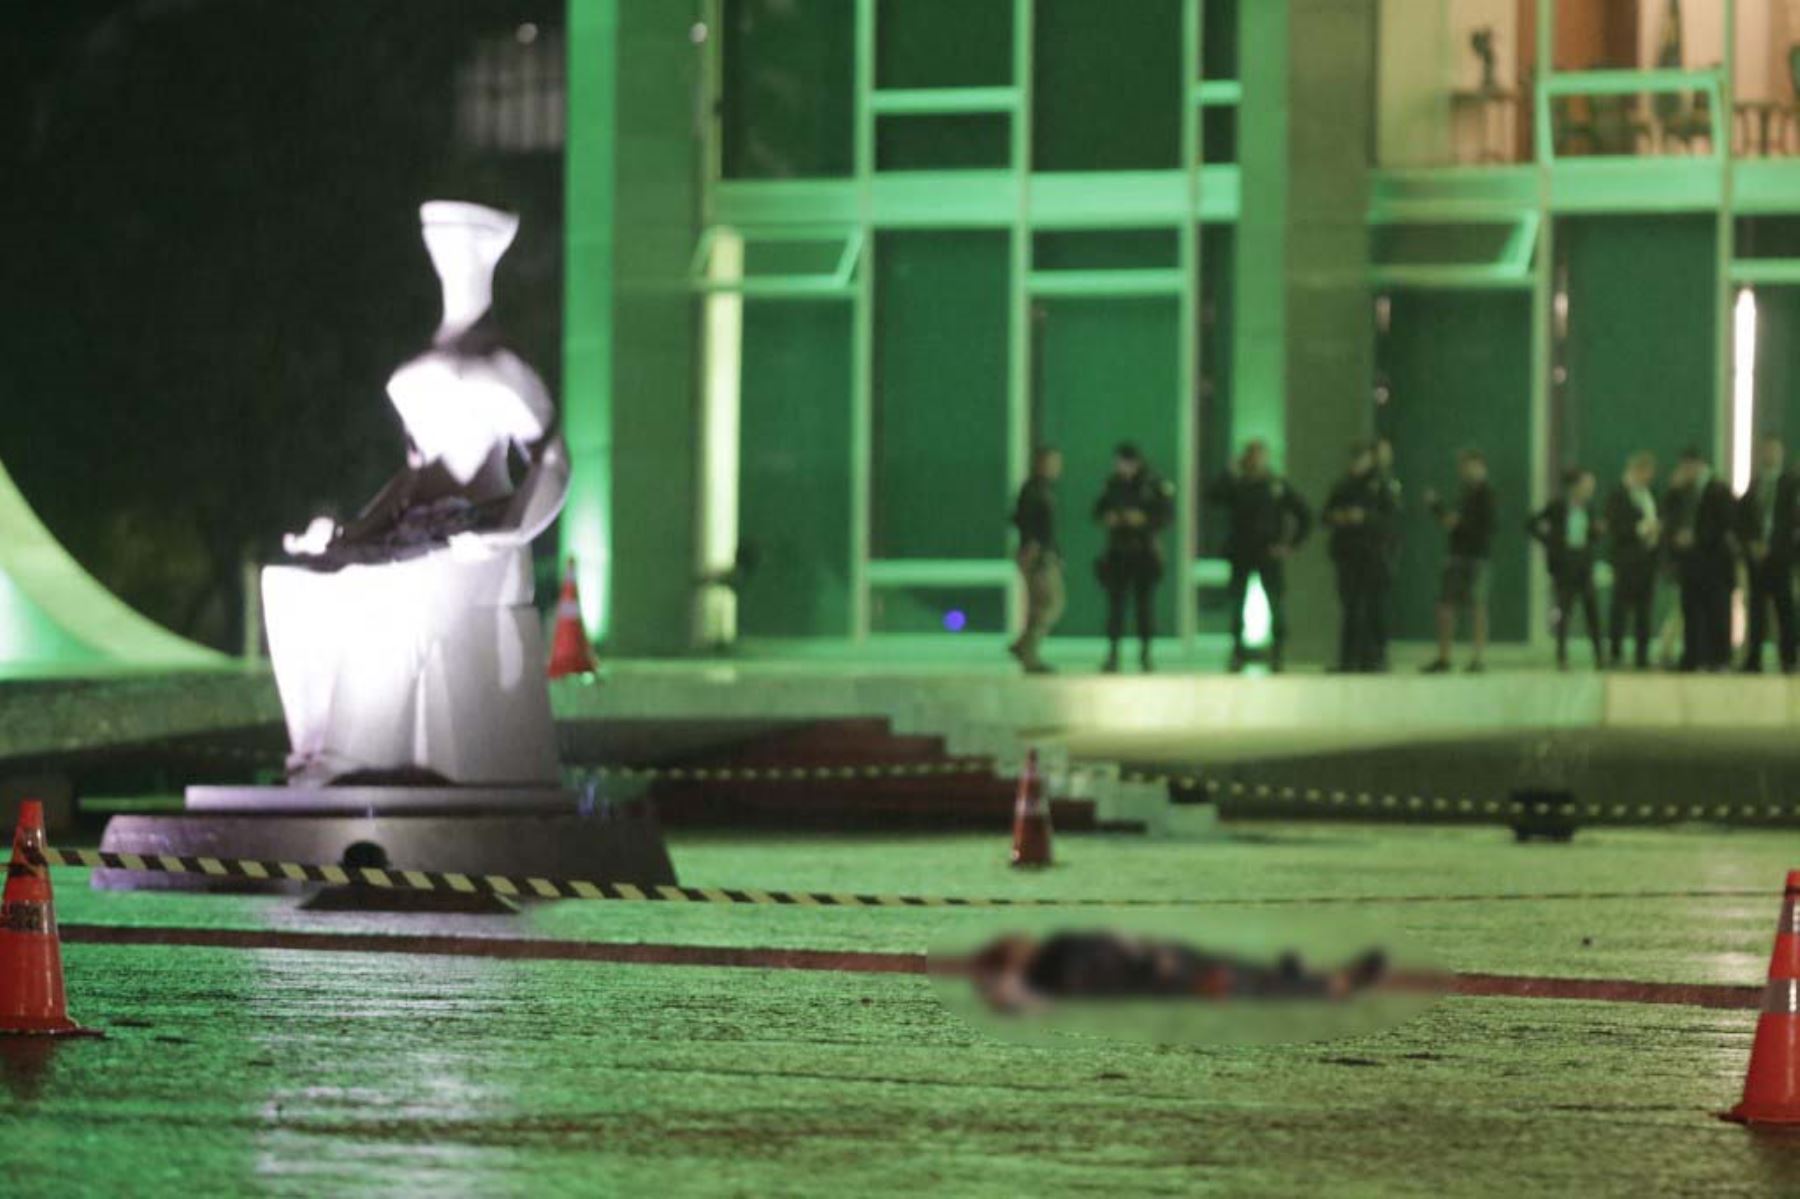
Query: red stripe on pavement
{"points": [[1510, 986]]}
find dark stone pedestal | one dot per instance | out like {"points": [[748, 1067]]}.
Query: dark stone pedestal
{"points": [[547, 833]]}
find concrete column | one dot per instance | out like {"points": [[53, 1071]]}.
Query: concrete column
{"points": [[655, 332], [1304, 345]]}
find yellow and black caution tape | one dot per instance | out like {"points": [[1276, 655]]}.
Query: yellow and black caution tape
{"points": [[939, 768], [525, 887], [810, 773], [1353, 802]]}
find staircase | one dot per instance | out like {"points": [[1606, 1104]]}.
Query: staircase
{"points": [[975, 795]]}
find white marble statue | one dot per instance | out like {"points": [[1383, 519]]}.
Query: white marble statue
{"points": [[405, 644]]}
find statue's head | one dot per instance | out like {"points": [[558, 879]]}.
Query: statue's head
{"points": [[455, 416], [466, 241]]}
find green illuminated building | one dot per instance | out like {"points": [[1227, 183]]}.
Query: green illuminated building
{"points": [[858, 255]]}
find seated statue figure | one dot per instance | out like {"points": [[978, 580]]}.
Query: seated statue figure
{"points": [[405, 644]]}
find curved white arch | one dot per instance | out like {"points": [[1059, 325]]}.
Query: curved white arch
{"points": [[55, 616]]}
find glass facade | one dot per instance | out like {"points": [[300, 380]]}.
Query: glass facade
{"points": [[1025, 179], [971, 227]]}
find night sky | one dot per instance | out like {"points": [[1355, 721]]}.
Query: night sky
{"points": [[212, 264]]}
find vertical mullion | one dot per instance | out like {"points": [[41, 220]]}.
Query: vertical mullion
{"points": [[590, 185], [1724, 333], [1542, 295], [1018, 350], [1188, 334], [1724, 306], [721, 321], [712, 165], [862, 326]]}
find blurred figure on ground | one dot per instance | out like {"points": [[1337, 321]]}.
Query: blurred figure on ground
{"points": [[1634, 538], [1358, 516], [1135, 508], [1039, 558], [1390, 550], [1469, 524], [1701, 515], [1766, 528], [1569, 531], [1019, 973], [1266, 522]]}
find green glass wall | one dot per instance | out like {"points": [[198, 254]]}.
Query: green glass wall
{"points": [[1760, 239], [1640, 350], [794, 469], [1778, 362], [1214, 416], [948, 175], [940, 428], [1219, 48], [1456, 366], [966, 141], [1107, 91], [631, 344], [1218, 269], [1106, 373], [786, 88], [943, 43], [957, 610]]}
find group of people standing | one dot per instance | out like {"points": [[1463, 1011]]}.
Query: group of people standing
{"points": [[1135, 506], [1696, 531]]}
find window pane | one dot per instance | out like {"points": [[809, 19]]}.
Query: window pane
{"points": [[938, 610], [789, 69], [794, 486], [1108, 88], [943, 43], [940, 475]]}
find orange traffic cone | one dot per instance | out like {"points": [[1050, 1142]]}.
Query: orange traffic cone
{"points": [[1772, 1086], [31, 977], [1031, 818], [570, 652]]}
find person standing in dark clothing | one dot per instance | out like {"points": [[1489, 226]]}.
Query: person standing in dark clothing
{"points": [[1135, 508], [1388, 515], [1470, 526], [1268, 521], [1702, 516], [1634, 538], [1766, 528], [1355, 514], [1040, 561], [1569, 531]]}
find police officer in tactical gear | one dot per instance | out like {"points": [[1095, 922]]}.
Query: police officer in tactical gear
{"points": [[1268, 521], [1388, 517], [1358, 515], [1134, 508]]}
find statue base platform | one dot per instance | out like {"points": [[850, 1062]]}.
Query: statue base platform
{"points": [[379, 800], [534, 832]]}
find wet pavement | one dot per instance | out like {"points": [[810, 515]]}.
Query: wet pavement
{"points": [[275, 1071]]}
